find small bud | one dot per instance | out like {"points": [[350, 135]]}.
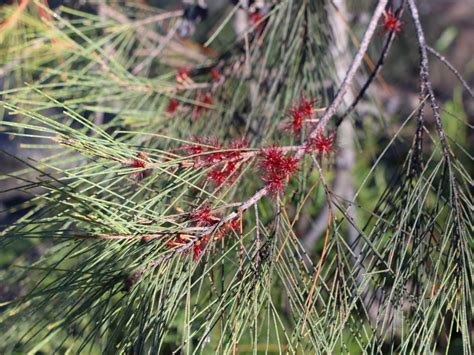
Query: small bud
{"points": [[182, 76]]}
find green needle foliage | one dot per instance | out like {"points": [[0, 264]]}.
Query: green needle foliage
{"points": [[128, 270]]}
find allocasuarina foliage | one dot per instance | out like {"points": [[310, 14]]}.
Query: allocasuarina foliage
{"points": [[188, 158]]}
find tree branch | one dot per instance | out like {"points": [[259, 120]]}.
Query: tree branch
{"points": [[425, 77], [357, 61], [330, 111], [376, 70], [452, 68]]}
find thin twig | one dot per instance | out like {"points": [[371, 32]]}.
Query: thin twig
{"points": [[452, 68], [309, 300], [388, 44], [257, 238], [357, 61], [425, 77], [156, 52], [130, 236]]}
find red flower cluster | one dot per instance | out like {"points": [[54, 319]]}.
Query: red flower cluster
{"points": [[173, 105], [301, 112], [277, 168], [183, 75], [391, 23], [198, 245], [225, 164], [140, 162], [202, 145], [203, 217], [215, 74], [256, 19], [321, 144], [203, 100]]}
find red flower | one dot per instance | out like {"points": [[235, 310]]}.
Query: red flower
{"points": [[204, 145], [256, 19], [215, 74], [203, 217], [234, 224], [173, 105], [217, 176], [227, 228], [235, 153], [183, 75], [277, 168], [391, 23], [176, 242], [140, 162], [301, 112], [321, 144], [306, 107], [199, 246], [212, 153], [193, 149], [238, 143], [272, 158], [297, 120]]}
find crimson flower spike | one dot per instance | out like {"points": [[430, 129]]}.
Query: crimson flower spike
{"points": [[321, 144], [140, 162], [215, 75], [173, 105], [391, 23], [303, 111], [277, 168], [183, 76]]}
